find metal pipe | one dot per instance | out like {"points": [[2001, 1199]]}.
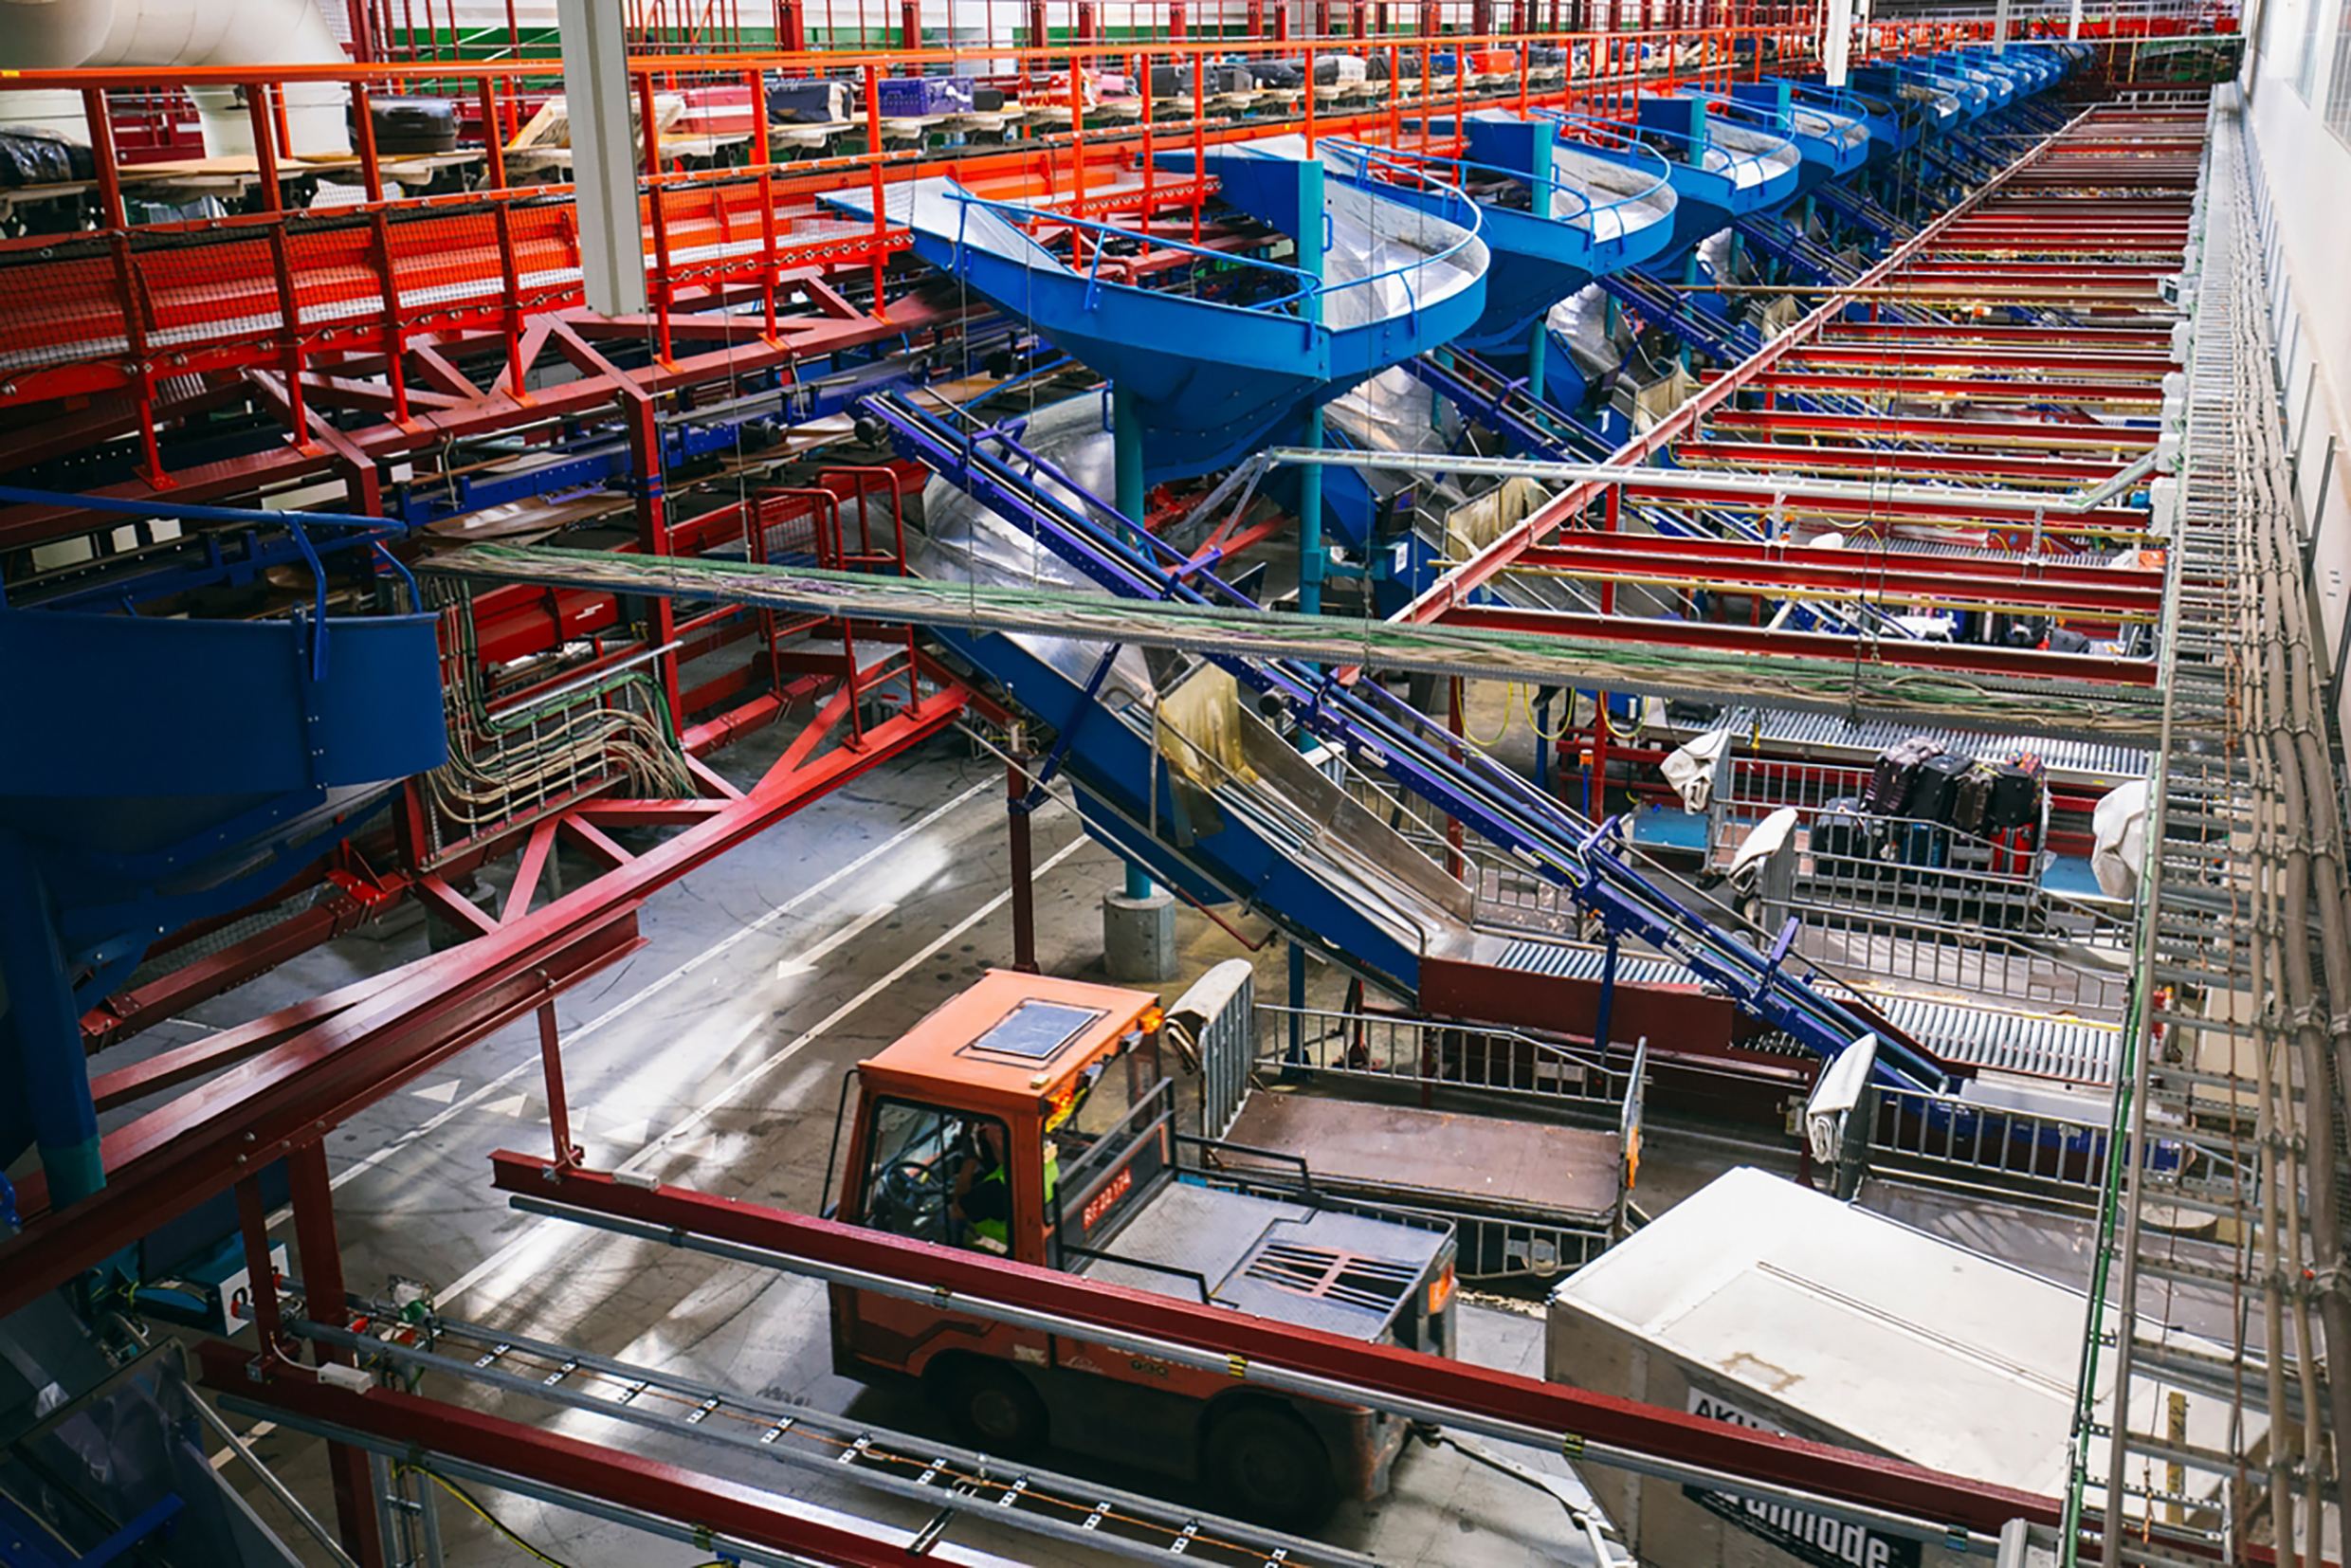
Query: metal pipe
{"points": [[277, 1488], [1258, 1373], [1767, 488]]}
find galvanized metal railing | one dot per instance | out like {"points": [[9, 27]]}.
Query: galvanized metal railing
{"points": [[1388, 1048]]}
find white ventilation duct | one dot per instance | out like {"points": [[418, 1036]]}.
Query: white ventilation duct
{"points": [[76, 35]]}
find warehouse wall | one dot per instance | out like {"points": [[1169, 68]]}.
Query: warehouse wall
{"points": [[2299, 79]]}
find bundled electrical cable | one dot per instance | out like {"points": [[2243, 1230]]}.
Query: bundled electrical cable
{"points": [[1848, 682]]}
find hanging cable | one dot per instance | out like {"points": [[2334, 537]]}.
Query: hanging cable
{"points": [[488, 1517]]}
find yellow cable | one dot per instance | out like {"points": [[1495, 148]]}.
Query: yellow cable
{"points": [[488, 1517], [1567, 726], [1505, 716]]}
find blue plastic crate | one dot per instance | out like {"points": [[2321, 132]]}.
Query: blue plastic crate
{"points": [[904, 96]]}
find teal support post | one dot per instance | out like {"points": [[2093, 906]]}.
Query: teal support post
{"points": [[1310, 561], [1538, 347], [1137, 880], [54, 1062], [1310, 553], [1126, 439]]}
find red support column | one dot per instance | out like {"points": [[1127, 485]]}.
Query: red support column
{"points": [[323, 1288], [261, 1274], [645, 462], [551, 1066], [259, 96]]}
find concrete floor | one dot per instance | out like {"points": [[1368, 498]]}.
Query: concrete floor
{"points": [[714, 1058]]}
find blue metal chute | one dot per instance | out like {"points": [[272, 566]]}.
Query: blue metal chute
{"points": [[1912, 85], [1892, 124], [248, 748], [1372, 730], [2000, 85], [1832, 142], [1718, 171], [1220, 371], [1551, 219]]}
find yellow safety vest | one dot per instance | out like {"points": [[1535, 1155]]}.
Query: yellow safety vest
{"points": [[995, 1230]]}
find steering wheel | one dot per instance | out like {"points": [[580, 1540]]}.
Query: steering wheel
{"points": [[910, 1200]]}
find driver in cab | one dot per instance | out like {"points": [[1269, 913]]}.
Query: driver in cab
{"points": [[983, 1188]]}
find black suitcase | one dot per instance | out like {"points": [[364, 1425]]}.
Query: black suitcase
{"points": [[1934, 792], [2064, 639], [43, 157], [987, 101], [1846, 843], [1888, 793], [412, 124], [1973, 793], [1693, 716], [1277, 73], [2015, 800]]}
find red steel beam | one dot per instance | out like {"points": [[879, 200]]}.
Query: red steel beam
{"points": [[1577, 1419], [1987, 332], [1891, 379], [1951, 431], [2105, 592], [1963, 658], [609, 1474], [1895, 463], [1966, 507], [484, 413], [1464, 581], [164, 1163], [1913, 360]]}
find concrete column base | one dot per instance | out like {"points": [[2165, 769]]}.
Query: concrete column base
{"points": [[1138, 938]]}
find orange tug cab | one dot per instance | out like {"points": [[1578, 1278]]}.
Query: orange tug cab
{"points": [[1020, 1118]]}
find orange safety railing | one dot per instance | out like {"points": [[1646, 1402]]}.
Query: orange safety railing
{"points": [[119, 307]]}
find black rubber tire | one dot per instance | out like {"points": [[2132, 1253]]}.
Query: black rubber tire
{"points": [[994, 1409], [1269, 1467]]}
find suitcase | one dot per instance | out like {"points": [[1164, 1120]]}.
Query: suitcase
{"points": [[906, 96], [1694, 716], [1846, 843], [987, 99], [1340, 70], [412, 124], [2015, 800], [1888, 793], [807, 100], [1277, 73], [1974, 792], [1935, 787], [2064, 639], [34, 156]]}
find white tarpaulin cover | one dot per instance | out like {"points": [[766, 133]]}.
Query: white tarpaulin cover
{"points": [[2119, 839], [1690, 769]]}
